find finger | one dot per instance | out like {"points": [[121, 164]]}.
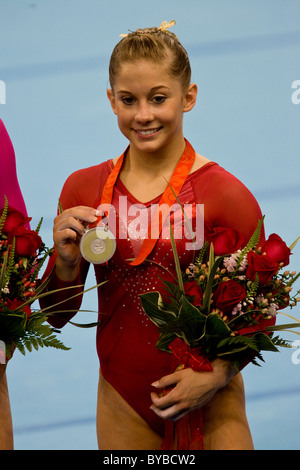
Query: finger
{"points": [[69, 223], [172, 413], [81, 210], [166, 381], [162, 402], [82, 215]]}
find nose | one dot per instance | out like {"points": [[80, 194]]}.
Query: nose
{"points": [[144, 112]]}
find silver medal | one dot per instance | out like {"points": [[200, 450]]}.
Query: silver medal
{"points": [[98, 245]]}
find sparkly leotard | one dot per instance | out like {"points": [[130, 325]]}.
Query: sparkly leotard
{"points": [[126, 338]]}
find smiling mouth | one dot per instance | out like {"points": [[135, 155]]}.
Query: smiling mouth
{"points": [[147, 132]]}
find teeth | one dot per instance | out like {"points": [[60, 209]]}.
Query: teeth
{"points": [[148, 132]]}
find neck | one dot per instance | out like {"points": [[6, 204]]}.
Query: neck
{"points": [[157, 163]]}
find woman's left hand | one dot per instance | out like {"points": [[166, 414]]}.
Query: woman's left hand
{"points": [[190, 390]]}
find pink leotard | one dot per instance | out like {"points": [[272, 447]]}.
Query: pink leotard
{"points": [[9, 185], [126, 338]]}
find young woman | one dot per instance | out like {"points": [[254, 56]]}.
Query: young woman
{"points": [[150, 92], [9, 187]]}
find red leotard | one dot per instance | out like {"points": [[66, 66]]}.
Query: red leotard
{"points": [[126, 338]]}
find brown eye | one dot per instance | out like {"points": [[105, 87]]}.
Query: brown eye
{"points": [[128, 100], [159, 99]]}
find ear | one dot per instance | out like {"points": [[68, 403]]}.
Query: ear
{"points": [[111, 97], [190, 98]]}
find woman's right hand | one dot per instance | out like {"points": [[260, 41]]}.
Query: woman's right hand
{"points": [[69, 226]]}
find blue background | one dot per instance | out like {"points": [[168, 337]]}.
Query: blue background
{"points": [[54, 61]]}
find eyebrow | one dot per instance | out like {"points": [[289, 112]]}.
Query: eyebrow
{"points": [[159, 87]]}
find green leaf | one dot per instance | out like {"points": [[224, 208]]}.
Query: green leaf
{"points": [[202, 253], [215, 327], [4, 214], [192, 322], [12, 325], [292, 246], [211, 258], [164, 340], [210, 282], [176, 259], [235, 344], [252, 243], [191, 313], [152, 305], [264, 342], [283, 327], [85, 325], [3, 271], [38, 228]]}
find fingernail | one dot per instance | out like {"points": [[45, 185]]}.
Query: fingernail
{"points": [[155, 384]]}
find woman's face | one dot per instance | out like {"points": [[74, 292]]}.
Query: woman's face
{"points": [[149, 104]]}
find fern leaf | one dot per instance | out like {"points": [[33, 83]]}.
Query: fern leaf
{"points": [[38, 228], [202, 253], [251, 244], [10, 263], [4, 214], [3, 271]]}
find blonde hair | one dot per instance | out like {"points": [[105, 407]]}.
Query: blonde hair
{"points": [[156, 44]]}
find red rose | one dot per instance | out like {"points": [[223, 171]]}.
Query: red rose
{"points": [[191, 288], [228, 294], [226, 240], [276, 249], [262, 265], [14, 304], [14, 219], [27, 241]]}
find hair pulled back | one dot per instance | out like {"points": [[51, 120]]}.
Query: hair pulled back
{"points": [[156, 44]]}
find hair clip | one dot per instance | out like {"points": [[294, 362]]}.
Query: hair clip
{"points": [[165, 25]]}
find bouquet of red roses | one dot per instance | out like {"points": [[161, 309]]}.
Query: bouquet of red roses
{"points": [[225, 305], [22, 254]]}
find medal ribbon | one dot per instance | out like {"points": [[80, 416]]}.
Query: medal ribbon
{"points": [[176, 182], [188, 430]]}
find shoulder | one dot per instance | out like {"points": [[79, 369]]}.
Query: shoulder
{"points": [[228, 184], [82, 187], [89, 174], [200, 161], [218, 180]]}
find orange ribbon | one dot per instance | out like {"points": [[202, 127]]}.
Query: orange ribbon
{"points": [[169, 196]]}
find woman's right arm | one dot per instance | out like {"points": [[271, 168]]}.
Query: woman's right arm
{"points": [[67, 270]]}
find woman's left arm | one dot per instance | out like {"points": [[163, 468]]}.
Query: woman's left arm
{"points": [[233, 206]]}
